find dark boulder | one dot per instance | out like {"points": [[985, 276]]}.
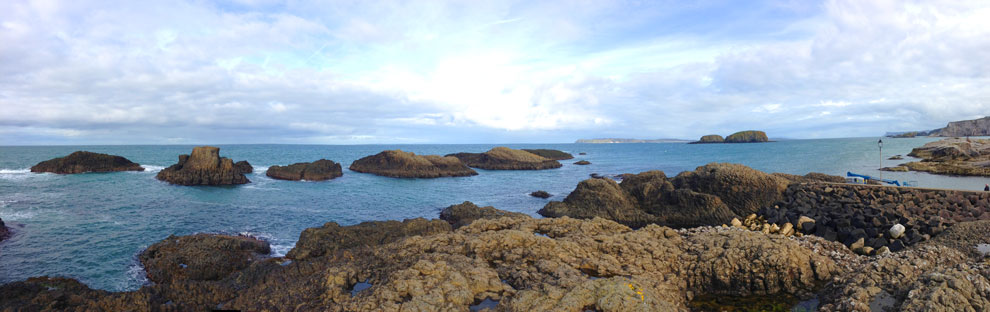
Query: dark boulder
{"points": [[466, 212], [550, 154], [82, 161], [504, 158], [582, 162], [244, 167], [200, 257], [320, 170], [4, 231], [540, 194], [600, 198], [399, 164], [750, 136], [319, 241], [203, 167]]}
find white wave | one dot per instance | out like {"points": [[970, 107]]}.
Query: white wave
{"points": [[260, 169], [152, 168], [281, 250], [20, 174], [14, 171], [7, 215], [278, 250]]}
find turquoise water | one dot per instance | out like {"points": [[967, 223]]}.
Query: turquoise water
{"points": [[92, 226]]}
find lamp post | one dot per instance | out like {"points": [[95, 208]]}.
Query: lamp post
{"points": [[880, 145]]}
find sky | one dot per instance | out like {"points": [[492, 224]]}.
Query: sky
{"points": [[423, 72]]}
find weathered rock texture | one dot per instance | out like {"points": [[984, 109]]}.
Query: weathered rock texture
{"points": [[399, 164], [464, 213], [955, 156], [975, 127], [200, 257], [710, 195], [571, 265], [504, 158], [204, 167], [82, 161], [711, 138], [750, 136], [550, 154], [320, 170], [244, 167], [863, 214], [314, 242]]}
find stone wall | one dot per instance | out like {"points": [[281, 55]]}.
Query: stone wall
{"points": [[862, 215]]}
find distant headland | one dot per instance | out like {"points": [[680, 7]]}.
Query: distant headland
{"points": [[975, 127], [614, 140]]}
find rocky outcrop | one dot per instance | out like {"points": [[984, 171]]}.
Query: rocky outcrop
{"points": [[550, 154], [244, 167], [956, 156], [749, 136], [399, 164], [504, 158], [582, 162], [711, 138], [82, 161], [200, 257], [315, 242], [744, 190], [204, 167], [467, 212], [540, 194], [964, 128], [320, 170]]}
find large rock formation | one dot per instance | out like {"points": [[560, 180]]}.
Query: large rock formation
{"points": [[750, 136], [315, 242], [712, 194], [550, 154], [711, 138], [464, 213], [204, 167], [320, 170], [504, 158], [975, 127], [82, 161], [200, 257], [953, 156], [399, 164]]}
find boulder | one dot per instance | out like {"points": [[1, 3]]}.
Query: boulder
{"points": [[320, 170], [550, 154], [244, 167], [200, 257], [582, 162], [203, 167], [466, 212], [540, 194], [325, 240], [750, 136], [896, 231], [504, 158], [711, 138], [399, 164], [744, 190], [82, 161], [599, 198]]}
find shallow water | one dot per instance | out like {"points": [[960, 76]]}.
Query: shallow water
{"points": [[91, 226]]}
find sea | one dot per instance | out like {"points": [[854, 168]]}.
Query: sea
{"points": [[92, 226]]}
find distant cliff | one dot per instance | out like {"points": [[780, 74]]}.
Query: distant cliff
{"points": [[975, 127], [613, 140]]}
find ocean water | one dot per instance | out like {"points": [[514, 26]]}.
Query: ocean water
{"points": [[92, 226]]}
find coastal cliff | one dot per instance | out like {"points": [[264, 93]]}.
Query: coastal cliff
{"points": [[963, 128]]}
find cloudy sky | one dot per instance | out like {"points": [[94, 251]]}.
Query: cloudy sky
{"points": [[358, 72]]}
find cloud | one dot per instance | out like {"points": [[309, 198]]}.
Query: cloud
{"points": [[449, 71]]}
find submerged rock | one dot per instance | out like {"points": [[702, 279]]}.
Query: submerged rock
{"points": [[550, 154], [582, 162], [4, 231], [204, 167], [82, 161], [315, 242], [320, 170], [200, 257], [504, 158], [540, 194], [399, 164], [467, 212]]}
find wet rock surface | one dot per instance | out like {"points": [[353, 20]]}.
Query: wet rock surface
{"points": [[464, 213], [582, 162], [550, 154], [540, 194], [200, 257], [315, 242], [320, 170], [82, 162], [953, 156], [204, 166], [504, 158], [399, 164]]}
